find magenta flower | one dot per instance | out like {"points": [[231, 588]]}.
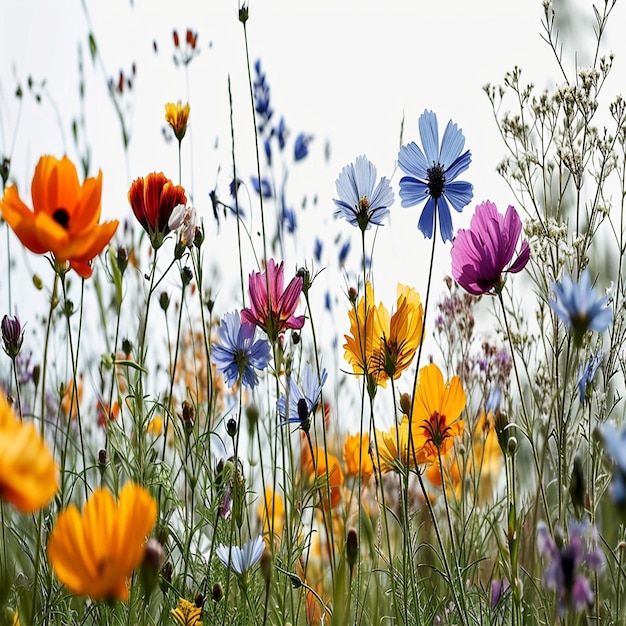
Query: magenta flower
{"points": [[481, 254], [274, 314]]}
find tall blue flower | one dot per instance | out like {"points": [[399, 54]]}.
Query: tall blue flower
{"points": [[359, 202], [300, 402], [432, 173], [579, 307], [238, 354], [240, 560]]}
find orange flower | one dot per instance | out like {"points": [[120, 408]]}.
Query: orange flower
{"points": [[28, 472], [71, 398], [177, 116], [488, 459], [436, 409], [379, 345], [323, 475], [275, 511], [356, 447], [64, 219], [95, 554], [153, 199], [187, 613], [399, 336]]}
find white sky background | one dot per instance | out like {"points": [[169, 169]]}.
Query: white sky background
{"points": [[345, 71]]}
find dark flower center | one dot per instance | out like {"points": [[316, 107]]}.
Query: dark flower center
{"points": [[436, 429], [363, 216], [303, 409], [568, 566], [61, 217], [436, 180]]}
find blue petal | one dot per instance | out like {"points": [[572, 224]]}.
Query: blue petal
{"points": [[429, 134], [459, 166], [451, 144], [427, 219], [412, 191], [445, 219], [411, 160], [459, 194]]}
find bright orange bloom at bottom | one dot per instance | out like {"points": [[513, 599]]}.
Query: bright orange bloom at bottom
{"points": [[94, 554], [28, 472]]}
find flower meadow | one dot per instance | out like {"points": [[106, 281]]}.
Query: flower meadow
{"points": [[256, 438]]}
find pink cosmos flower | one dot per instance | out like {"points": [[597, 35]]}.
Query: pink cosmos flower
{"points": [[274, 314], [481, 254]]}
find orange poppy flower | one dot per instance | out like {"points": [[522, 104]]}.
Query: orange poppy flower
{"points": [[64, 219], [436, 409], [153, 199], [95, 554], [28, 472]]}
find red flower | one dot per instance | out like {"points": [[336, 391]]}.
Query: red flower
{"points": [[273, 313], [152, 199]]}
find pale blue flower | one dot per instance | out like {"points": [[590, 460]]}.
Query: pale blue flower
{"points": [[359, 201], [586, 375], [300, 401], [240, 560], [432, 173], [577, 304]]}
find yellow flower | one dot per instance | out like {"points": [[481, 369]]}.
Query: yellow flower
{"points": [[393, 447], [488, 459], [275, 511], [354, 447], [398, 337], [187, 613], [65, 215], [95, 554], [381, 346], [177, 116], [436, 409], [155, 426], [28, 472]]}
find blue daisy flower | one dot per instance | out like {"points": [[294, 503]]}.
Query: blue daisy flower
{"points": [[359, 202], [579, 307], [300, 402], [432, 173], [238, 354]]}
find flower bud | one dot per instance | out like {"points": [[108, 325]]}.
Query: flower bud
{"points": [[12, 335], [352, 548], [164, 300], [231, 427], [218, 593], [405, 404]]}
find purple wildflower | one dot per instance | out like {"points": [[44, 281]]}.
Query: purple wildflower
{"points": [[481, 254], [564, 572]]}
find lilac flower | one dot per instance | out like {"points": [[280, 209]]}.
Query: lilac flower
{"points": [[300, 402], [615, 447], [301, 146], [432, 175], [566, 561], [240, 560], [481, 254], [238, 354], [586, 375], [359, 202], [579, 307]]}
